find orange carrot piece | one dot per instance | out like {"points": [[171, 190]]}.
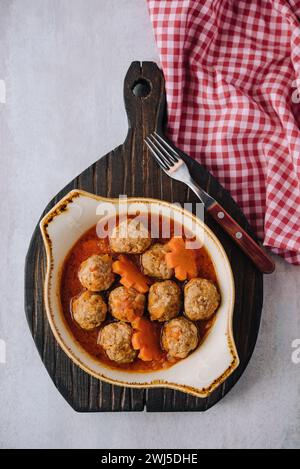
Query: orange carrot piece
{"points": [[181, 259], [131, 277], [145, 338]]}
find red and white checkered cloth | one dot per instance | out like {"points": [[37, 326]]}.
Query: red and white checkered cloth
{"points": [[231, 69]]}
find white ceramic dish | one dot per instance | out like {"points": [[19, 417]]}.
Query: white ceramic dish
{"points": [[201, 372]]}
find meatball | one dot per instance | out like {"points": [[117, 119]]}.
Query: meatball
{"points": [[126, 304], [179, 337], [89, 310], [201, 299], [164, 300], [96, 274], [115, 339], [154, 263], [130, 237]]}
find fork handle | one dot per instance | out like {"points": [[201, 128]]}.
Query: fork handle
{"points": [[250, 247]]}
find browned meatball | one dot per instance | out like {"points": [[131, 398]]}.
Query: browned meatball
{"points": [[179, 337], [164, 300], [126, 304], [130, 237], [115, 339], [154, 263], [201, 299], [96, 274], [89, 310]]}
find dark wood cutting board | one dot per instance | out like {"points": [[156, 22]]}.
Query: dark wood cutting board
{"points": [[129, 169]]}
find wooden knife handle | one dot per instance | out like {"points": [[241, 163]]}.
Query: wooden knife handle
{"points": [[253, 250]]}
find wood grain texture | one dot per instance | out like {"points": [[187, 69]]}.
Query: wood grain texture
{"points": [[129, 169]]}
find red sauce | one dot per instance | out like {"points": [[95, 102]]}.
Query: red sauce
{"points": [[85, 247]]}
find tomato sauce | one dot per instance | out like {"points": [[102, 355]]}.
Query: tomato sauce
{"points": [[71, 287]]}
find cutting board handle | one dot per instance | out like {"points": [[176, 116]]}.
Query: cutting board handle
{"points": [[144, 97]]}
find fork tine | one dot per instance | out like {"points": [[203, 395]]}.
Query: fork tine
{"points": [[162, 152], [170, 158], [174, 153], [156, 153]]}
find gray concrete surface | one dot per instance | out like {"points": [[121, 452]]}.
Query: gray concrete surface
{"points": [[63, 63]]}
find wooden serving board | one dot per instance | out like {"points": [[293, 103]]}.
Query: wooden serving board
{"points": [[130, 170]]}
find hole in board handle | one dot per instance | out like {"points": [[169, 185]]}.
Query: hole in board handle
{"points": [[141, 88]]}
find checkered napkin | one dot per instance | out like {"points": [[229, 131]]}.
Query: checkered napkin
{"points": [[232, 68]]}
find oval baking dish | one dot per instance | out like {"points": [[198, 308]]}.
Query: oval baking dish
{"points": [[202, 371]]}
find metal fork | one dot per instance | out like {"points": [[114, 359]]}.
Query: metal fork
{"points": [[173, 165]]}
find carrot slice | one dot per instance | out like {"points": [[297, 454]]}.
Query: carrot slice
{"points": [[145, 338], [131, 277], [181, 259]]}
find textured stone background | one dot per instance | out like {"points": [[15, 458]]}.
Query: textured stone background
{"points": [[63, 63]]}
